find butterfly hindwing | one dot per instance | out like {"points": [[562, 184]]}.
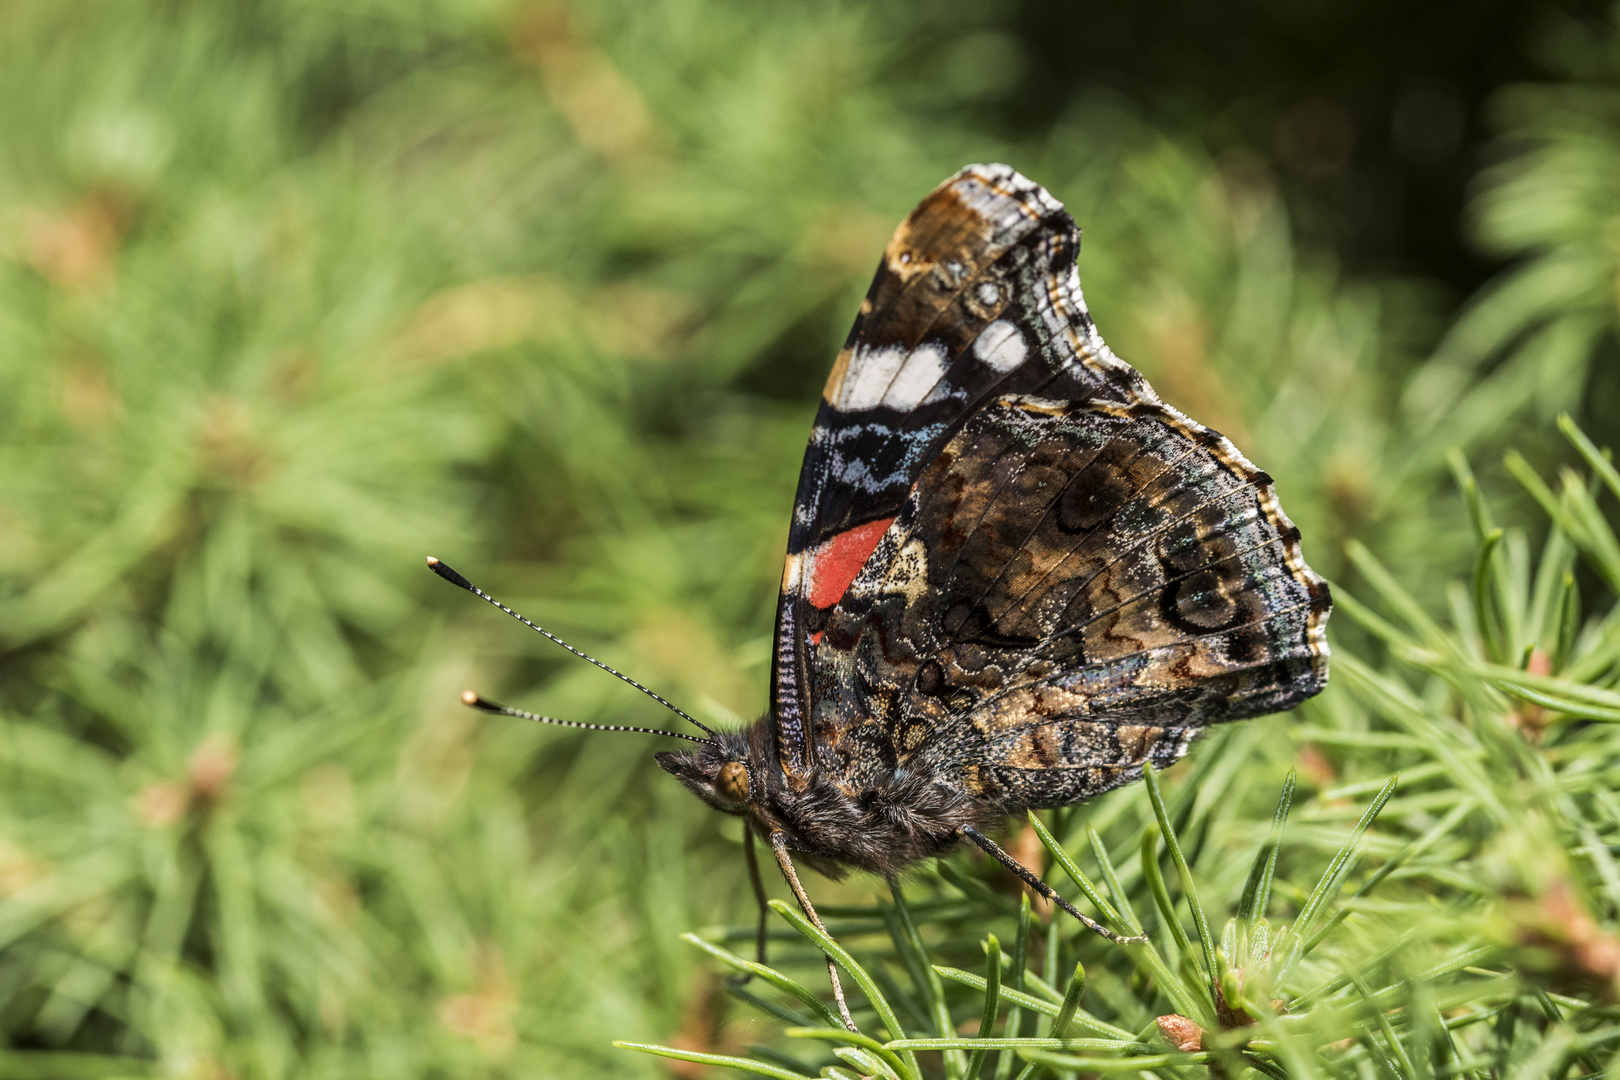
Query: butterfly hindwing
{"points": [[1012, 634], [1011, 566]]}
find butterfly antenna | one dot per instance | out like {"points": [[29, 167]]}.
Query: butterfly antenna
{"points": [[456, 579], [472, 699]]}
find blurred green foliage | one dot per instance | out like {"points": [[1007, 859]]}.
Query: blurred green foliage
{"points": [[292, 294]]}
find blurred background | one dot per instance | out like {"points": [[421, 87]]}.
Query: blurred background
{"points": [[294, 293]]}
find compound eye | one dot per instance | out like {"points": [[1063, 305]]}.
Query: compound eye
{"points": [[732, 782]]}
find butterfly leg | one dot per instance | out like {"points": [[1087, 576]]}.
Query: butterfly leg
{"points": [[759, 897], [1029, 878], [779, 846]]}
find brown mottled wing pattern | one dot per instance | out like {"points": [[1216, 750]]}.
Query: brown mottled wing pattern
{"points": [[974, 298], [1071, 588], [1011, 566]]}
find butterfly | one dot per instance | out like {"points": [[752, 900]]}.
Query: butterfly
{"points": [[1014, 575]]}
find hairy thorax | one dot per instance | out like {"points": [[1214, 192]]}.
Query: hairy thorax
{"points": [[881, 826]]}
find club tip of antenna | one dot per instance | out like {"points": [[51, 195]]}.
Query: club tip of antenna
{"points": [[474, 700], [469, 697], [444, 571]]}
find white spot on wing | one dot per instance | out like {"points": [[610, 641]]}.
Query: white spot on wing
{"points": [[922, 371], [1001, 347], [870, 373], [891, 376], [989, 295]]}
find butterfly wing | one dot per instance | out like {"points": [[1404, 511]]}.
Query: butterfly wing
{"points": [[972, 299], [1010, 564], [1070, 589]]}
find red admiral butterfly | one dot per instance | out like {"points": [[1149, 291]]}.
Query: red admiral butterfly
{"points": [[1014, 575]]}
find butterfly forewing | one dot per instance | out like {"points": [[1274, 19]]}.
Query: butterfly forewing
{"points": [[937, 335], [1011, 566]]}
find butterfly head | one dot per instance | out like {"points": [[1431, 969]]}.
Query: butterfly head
{"points": [[717, 771]]}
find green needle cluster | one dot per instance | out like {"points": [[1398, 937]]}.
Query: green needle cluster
{"points": [[295, 293]]}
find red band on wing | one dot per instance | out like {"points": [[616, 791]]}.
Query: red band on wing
{"points": [[839, 560]]}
